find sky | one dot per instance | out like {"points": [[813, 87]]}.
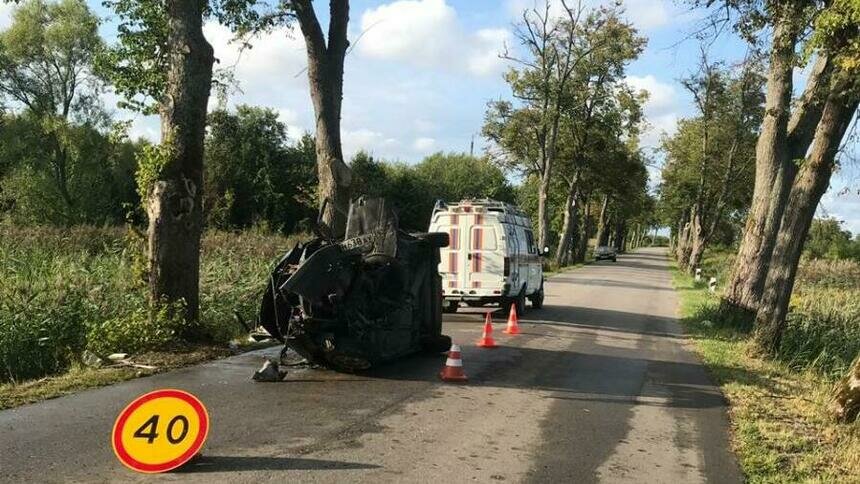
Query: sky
{"points": [[420, 73]]}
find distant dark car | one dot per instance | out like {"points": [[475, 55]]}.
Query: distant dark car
{"points": [[605, 253]]}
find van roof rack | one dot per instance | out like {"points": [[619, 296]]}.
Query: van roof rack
{"points": [[485, 203]]}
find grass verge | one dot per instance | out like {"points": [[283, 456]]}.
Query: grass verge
{"points": [[781, 432], [80, 377]]}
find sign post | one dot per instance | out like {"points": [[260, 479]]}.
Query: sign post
{"points": [[160, 431]]}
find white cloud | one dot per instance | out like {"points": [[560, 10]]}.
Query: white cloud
{"points": [[661, 109], [6, 14], [424, 144], [843, 205], [644, 14], [428, 33]]}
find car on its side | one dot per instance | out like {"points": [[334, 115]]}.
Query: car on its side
{"points": [[604, 252]]}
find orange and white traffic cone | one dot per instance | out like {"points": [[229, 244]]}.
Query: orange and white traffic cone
{"points": [[453, 370], [513, 322], [486, 340]]}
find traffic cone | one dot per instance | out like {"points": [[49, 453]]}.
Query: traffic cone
{"points": [[453, 370], [513, 322], [486, 340]]}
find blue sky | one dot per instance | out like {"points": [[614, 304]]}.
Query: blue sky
{"points": [[419, 78]]}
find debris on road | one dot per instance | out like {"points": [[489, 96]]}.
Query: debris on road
{"points": [[270, 372], [373, 297], [91, 359]]}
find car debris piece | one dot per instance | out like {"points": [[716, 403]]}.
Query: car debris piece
{"points": [[372, 297], [269, 372]]}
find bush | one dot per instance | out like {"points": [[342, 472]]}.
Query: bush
{"points": [[66, 290]]}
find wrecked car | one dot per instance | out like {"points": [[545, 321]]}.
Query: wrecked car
{"points": [[374, 296]]}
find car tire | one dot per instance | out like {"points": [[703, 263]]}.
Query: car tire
{"points": [[520, 302], [614, 260], [449, 307], [537, 299]]}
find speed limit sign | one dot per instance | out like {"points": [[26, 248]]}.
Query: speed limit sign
{"points": [[160, 431]]}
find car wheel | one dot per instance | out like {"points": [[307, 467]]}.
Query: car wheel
{"points": [[450, 307], [436, 344], [613, 260], [537, 299], [521, 304]]}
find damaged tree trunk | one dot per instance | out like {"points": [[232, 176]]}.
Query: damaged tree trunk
{"points": [[812, 181], [174, 206], [325, 75]]}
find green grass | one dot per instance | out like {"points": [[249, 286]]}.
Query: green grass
{"points": [[66, 290], [778, 408]]}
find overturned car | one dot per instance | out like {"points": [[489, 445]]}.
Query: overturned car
{"points": [[372, 297]]}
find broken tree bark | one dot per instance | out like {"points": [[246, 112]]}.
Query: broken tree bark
{"points": [[174, 206], [325, 75]]}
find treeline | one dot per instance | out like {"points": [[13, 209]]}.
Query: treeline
{"points": [[571, 129], [754, 162]]}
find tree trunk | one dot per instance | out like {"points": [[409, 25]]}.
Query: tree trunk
{"points": [[543, 213], [697, 243], [562, 253], [325, 75], [620, 230], [780, 142], [602, 234], [811, 183], [582, 243], [174, 205]]}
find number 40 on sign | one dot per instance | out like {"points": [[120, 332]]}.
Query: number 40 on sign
{"points": [[160, 431]]}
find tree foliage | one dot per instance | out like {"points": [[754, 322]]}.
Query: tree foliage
{"points": [[254, 175]]}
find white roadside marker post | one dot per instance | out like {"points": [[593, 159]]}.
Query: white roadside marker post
{"points": [[712, 285], [698, 274]]}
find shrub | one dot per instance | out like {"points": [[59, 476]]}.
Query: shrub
{"points": [[66, 290]]}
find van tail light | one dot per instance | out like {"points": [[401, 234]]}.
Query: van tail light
{"points": [[507, 266]]}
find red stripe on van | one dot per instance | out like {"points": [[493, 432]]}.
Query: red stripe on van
{"points": [[476, 284], [452, 263], [454, 235], [476, 262]]}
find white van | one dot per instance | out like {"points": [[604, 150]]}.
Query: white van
{"points": [[491, 257]]}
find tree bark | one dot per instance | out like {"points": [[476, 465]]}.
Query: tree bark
{"points": [[174, 206], [569, 226], [781, 140], [812, 181], [325, 75], [582, 242], [602, 236], [620, 230]]}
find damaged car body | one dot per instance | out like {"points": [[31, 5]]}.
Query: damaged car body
{"points": [[372, 297]]}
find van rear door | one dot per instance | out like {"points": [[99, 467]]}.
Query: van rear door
{"points": [[454, 259], [485, 263]]}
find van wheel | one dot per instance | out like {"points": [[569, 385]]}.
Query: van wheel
{"points": [[520, 301], [449, 307], [537, 299]]}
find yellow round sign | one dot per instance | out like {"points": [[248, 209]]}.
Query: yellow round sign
{"points": [[160, 431]]}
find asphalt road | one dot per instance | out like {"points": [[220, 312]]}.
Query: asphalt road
{"points": [[601, 386]]}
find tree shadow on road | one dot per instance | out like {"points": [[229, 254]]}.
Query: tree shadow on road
{"points": [[216, 463]]}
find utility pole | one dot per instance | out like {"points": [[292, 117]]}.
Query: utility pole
{"points": [[472, 147]]}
